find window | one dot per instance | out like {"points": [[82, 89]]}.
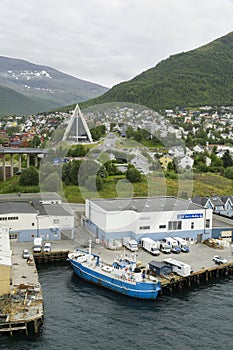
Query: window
{"points": [[10, 218], [162, 226], [207, 223], [144, 227], [174, 225], [13, 236], [192, 225], [33, 224], [56, 221]]}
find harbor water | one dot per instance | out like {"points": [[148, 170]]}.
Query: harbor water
{"points": [[82, 316]]}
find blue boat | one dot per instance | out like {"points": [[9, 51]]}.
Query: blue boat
{"points": [[122, 276]]}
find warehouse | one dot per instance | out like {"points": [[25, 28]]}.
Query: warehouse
{"points": [[27, 220], [154, 217]]}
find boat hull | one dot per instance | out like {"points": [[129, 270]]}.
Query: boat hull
{"points": [[140, 290]]}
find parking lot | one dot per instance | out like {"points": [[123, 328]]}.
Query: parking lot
{"points": [[199, 257]]}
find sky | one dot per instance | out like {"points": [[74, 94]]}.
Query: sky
{"points": [[108, 41]]}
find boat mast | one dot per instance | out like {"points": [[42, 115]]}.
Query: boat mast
{"points": [[89, 251]]}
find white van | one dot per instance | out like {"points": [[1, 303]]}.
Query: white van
{"points": [[182, 244], [150, 245], [130, 244], [47, 247]]}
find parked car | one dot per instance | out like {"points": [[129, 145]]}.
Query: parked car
{"points": [[176, 250], [219, 260], [25, 254], [185, 249], [47, 247]]}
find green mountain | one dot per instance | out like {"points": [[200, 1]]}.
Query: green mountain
{"points": [[12, 102], [45, 87], [199, 77]]}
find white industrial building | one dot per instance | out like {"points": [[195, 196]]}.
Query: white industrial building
{"points": [[155, 217], [27, 219]]}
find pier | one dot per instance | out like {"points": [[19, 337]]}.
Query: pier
{"points": [[23, 310], [174, 283]]}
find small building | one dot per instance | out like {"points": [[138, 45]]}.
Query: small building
{"points": [[160, 268], [141, 163], [27, 220], [177, 151], [222, 205], [186, 163], [53, 221], [198, 149], [165, 160]]}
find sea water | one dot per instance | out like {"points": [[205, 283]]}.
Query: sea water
{"points": [[79, 315]]}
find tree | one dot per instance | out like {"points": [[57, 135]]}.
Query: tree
{"points": [[29, 177], [35, 142], [87, 168], [227, 159], [94, 183], [77, 151], [129, 132], [52, 183], [111, 168], [229, 172], [132, 174], [74, 172]]}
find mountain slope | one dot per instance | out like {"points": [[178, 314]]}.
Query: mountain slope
{"points": [[12, 102], [45, 85], [198, 77]]}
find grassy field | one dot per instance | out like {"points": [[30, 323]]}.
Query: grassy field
{"points": [[184, 186]]}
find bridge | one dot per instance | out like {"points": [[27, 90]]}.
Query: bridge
{"points": [[20, 151]]}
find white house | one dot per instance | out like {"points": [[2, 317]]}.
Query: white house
{"points": [[198, 149], [186, 163], [176, 151], [141, 163], [154, 217]]}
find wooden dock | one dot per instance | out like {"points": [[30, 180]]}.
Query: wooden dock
{"points": [[173, 283], [50, 257], [22, 309]]}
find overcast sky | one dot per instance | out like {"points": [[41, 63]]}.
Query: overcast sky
{"points": [[108, 41]]}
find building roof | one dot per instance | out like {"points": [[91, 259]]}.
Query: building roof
{"points": [[151, 204], [221, 221], [199, 200], [51, 209], [226, 198], [158, 264], [30, 196], [215, 200], [16, 207]]}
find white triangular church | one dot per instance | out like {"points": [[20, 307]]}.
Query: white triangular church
{"points": [[77, 130]]}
